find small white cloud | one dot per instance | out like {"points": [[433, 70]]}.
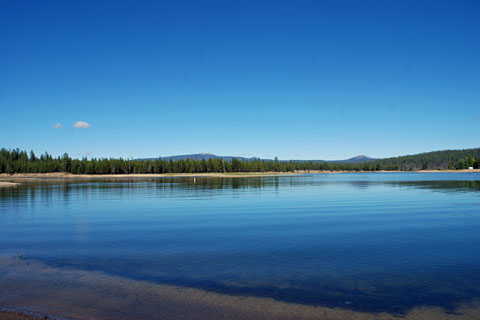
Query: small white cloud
{"points": [[81, 124], [57, 126]]}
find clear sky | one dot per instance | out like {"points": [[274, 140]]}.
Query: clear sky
{"points": [[293, 79]]}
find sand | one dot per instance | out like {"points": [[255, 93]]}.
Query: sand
{"points": [[4, 184], [65, 175]]}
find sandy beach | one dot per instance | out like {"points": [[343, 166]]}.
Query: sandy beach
{"points": [[4, 184], [66, 175]]}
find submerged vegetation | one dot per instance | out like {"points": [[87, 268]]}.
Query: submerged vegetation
{"points": [[17, 161]]}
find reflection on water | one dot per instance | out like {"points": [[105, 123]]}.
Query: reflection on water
{"points": [[365, 242], [444, 186]]}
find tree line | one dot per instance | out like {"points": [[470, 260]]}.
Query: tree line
{"points": [[20, 161]]}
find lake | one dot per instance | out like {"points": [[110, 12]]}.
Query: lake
{"points": [[361, 243]]}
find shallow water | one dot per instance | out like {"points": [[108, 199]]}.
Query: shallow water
{"points": [[373, 242]]}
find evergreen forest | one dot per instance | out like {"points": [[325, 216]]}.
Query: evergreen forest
{"points": [[20, 161]]}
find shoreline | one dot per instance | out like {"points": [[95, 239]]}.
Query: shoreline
{"points": [[4, 184], [65, 175]]}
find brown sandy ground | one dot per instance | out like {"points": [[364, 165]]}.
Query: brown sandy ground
{"points": [[66, 175], [75, 294], [8, 184]]}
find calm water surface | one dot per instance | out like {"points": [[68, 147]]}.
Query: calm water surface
{"points": [[369, 242]]}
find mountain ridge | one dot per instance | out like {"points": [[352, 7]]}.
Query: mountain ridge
{"points": [[206, 156]]}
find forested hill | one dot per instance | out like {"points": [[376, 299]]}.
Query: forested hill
{"points": [[17, 161], [446, 159]]}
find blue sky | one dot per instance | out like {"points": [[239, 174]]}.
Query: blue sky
{"points": [[293, 79]]}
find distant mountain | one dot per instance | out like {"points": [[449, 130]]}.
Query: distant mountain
{"points": [[206, 156], [357, 159], [200, 156]]}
